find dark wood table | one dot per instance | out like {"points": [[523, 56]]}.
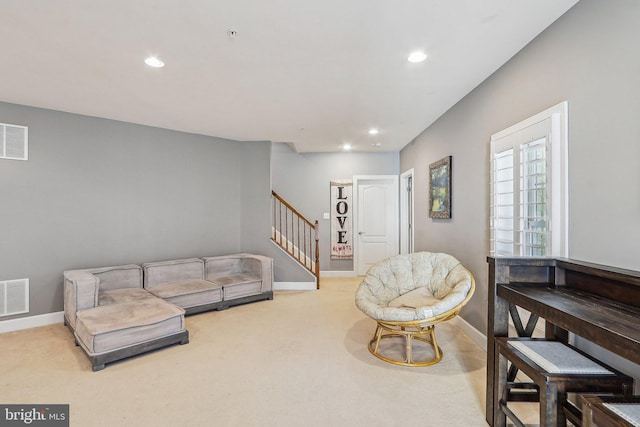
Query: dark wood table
{"points": [[596, 302]]}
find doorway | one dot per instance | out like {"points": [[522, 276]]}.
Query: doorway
{"points": [[376, 220]]}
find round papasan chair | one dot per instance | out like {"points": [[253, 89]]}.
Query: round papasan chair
{"points": [[407, 295]]}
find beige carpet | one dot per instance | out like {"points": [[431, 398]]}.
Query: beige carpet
{"points": [[299, 360]]}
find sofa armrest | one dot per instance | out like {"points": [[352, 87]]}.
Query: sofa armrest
{"points": [[80, 292], [260, 266]]}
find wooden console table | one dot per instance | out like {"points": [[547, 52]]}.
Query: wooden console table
{"points": [[595, 302]]}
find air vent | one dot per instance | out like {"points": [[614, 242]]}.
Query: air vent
{"points": [[14, 297], [13, 142]]}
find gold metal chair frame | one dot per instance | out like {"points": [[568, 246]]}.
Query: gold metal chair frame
{"points": [[421, 330]]}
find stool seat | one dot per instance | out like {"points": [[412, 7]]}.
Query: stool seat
{"points": [[556, 358], [628, 412], [555, 369], [610, 411]]}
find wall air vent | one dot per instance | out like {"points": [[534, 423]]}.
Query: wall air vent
{"points": [[14, 297], [13, 142]]}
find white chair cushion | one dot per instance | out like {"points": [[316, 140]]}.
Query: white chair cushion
{"points": [[434, 283]]}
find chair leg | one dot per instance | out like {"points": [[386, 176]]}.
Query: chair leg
{"points": [[376, 336], [436, 349], [549, 405], [410, 334], [500, 391]]}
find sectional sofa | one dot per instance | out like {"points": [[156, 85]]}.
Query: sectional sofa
{"points": [[120, 311]]}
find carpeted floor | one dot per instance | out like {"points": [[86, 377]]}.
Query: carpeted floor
{"points": [[299, 360]]}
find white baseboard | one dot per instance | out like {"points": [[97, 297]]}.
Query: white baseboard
{"points": [[476, 336], [338, 274], [294, 286], [31, 322]]}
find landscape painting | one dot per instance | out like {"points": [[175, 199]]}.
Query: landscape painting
{"points": [[440, 189]]}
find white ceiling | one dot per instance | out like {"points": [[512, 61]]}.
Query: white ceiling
{"points": [[312, 73]]}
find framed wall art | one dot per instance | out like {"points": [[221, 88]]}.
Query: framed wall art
{"points": [[440, 189], [341, 231]]}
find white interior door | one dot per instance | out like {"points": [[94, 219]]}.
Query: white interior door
{"points": [[376, 225]]}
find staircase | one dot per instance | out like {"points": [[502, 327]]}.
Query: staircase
{"points": [[296, 235]]}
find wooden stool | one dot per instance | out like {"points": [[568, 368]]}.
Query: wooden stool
{"points": [[610, 411], [555, 369]]}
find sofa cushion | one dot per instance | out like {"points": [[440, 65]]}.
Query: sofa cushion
{"points": [[115, 326], [157, 273], [118, 277], [416, 298], [117, 296], [239, 285], [188, 293], [223, 265]]}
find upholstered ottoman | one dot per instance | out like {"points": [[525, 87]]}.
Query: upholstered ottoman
{"points": [[112, 332]]}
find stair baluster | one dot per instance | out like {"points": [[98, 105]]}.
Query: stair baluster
{"points": [[293, 233]]}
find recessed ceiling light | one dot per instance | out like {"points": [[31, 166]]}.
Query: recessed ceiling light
{"points": [[154, 62], [417, 56], [373, 131], [346, 147]]}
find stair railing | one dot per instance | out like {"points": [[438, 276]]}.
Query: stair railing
{"points": [[296, 235]]}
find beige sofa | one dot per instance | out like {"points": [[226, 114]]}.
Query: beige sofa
{"points": [[120, 311], [211, 283]]}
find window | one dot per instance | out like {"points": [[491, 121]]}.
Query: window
{"points": [[528, 200]]}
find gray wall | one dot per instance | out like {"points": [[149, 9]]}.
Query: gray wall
{"points": [[588, 57], [97, 192], [304, 180], [255, 213]]}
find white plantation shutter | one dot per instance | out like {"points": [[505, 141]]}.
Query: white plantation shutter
{"points": [[503, 203], [528, 179], [534, 215]]}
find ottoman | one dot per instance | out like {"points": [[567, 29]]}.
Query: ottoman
{"points": [[116, 331]]}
